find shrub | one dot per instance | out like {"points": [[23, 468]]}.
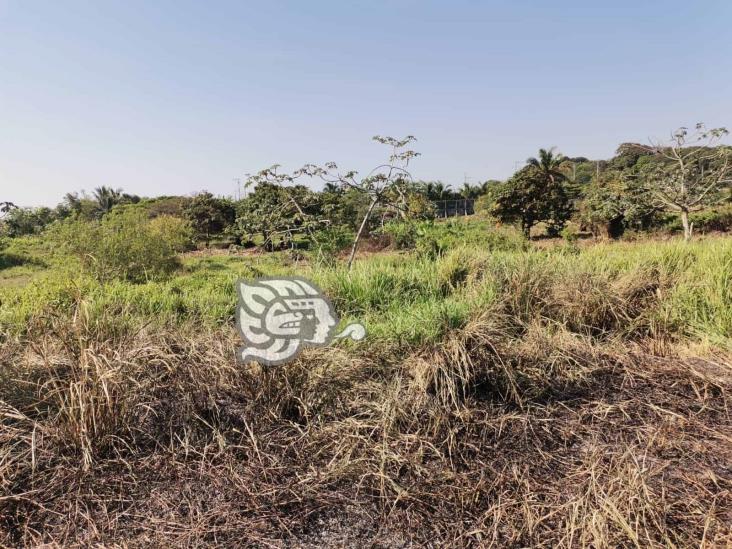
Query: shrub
{"points": [[125, 245], [328, 243], [166, 205], [434, 239], [715, 219], [570, 233], [402, 235], [484, 204], [174, 230]]}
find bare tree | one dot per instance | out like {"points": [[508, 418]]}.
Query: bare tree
{"points": [[387, 184], [690, 172]]}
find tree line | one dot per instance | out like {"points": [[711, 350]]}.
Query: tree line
{"points": [[642, 185]]}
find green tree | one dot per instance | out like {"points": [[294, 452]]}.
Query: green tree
{"points": [[5, 207], [435, 190], [468, 191], [208, 215], [80, 206], [107, 198], [24, 221], [535, 193], [278, 207], [549, 165], [614, 202], [275, 211]]}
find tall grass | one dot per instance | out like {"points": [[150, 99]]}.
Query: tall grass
{"points": [[681, 289], [504, 398]]}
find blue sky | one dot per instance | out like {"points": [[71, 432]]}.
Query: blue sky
{"points": [[162, 97]]}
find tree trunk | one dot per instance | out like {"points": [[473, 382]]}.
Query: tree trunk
{"points": [[615, 227], [688, 227], [526, 229], [360, 232], [268, 243]]}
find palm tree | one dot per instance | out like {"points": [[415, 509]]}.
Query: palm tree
{"points": [[331, 188], [5, 207], [554, 181], [106, 198], [549, 164], [468, 191], [436, 190]]}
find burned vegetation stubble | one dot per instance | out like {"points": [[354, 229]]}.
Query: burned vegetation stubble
{"points": [[519, 429]]}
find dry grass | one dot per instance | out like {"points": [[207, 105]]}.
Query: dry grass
{"points": [[509, 434], [502, 399]]}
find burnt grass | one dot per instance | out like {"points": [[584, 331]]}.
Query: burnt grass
{"points": [[161, 439]]}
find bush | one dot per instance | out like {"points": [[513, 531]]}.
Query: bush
{"points": [[434, 239], [166, 205], [209, 216], [174, 230], [402, 235], [715, 219], [570, 233], [126, 245], [484, 204], [328, 243]]}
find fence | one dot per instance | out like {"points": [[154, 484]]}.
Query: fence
{"points": [[454, 208]]}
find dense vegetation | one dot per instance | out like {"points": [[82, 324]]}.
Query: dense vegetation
{"points": [[673, 186], [510, 392]]}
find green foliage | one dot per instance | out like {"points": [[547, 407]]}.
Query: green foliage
{"points": [[327, 243], [277, 212], [418, 206], [344, 206], [534, 194], [166, 205], [208, 215], [413, 298], [28, 221], [484, 205], [713, 219], [125, 245], [106, 198], [570, 233], [80, 206], [689, 173], [435, 238], [435, 190], [402, 234], [614, 202]]}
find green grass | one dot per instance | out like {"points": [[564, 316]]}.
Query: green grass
{"points": [[410, 298], [492, 376]]}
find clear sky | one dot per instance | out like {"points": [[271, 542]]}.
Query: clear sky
{"points": [[172, 97]]}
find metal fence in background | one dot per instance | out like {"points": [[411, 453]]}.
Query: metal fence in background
{"points": [[454, 208]]}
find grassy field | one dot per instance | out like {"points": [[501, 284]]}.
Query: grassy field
{"points": [[505, 396]]}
